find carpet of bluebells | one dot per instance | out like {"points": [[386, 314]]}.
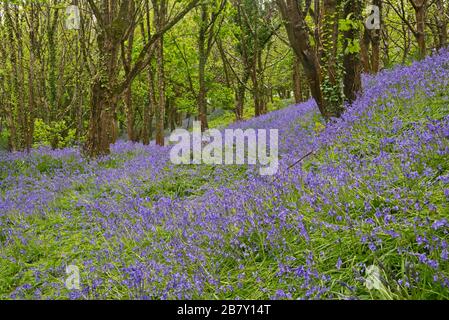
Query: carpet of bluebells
{"points": [[373, 191]]}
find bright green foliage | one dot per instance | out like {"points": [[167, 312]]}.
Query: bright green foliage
{"points": [[57, 134]]}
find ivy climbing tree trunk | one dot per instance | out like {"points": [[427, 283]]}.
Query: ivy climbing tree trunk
{"points": [[112, 24], [330, 39]]}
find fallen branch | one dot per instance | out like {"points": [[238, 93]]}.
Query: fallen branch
{"points": [[297, 162]]}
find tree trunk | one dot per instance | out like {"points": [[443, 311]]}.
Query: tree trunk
{"points": [[160, 108], [420, 18], [101, 120], [78, 94], [239, 102], [351, 60], [102, 106], [31, 94], [102, 124], [256, 91], [240, 96], [441, 24], [297, 86], [130, 121], [202, 101], [148, 115], [299, 39], [256, 56], [22, 114], [52, 56], [420, 12], [127, 61], [159, 21], [330, 39], [375, 41], [15, 83]]}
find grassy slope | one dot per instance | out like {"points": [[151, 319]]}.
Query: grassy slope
{"points": [[339, 253], [39, 244]]}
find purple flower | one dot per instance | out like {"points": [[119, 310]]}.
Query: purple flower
{"points": [[339, 263]]}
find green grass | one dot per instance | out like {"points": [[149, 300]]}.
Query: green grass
{"points": [[248, 112]]}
